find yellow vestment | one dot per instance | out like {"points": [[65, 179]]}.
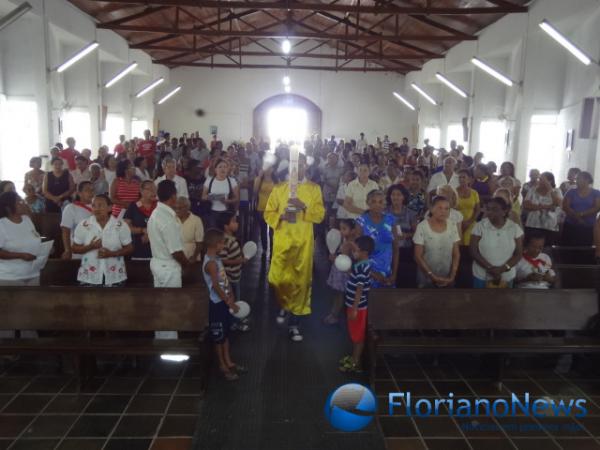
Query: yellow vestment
{"points": [[290, 273]]}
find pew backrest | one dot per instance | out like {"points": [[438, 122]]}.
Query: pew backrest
{"points": [[573, 255], [109, 309], [476, 309], [577, 276], [59, 272]]}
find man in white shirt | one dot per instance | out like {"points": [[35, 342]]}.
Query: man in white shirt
{"points": [[164, 233], [362, 144], [446, 176], [82, 172], [169, 168]]}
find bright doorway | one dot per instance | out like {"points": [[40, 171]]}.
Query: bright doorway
{"points": [[433, 134], [492, 141], [18, 138], [138, 127], [115, 127], [287, 125], [455, 132], [543, 152], [76, 124]]}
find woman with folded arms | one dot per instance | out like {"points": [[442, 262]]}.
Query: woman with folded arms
{"points": [[496, 247], [103, 240]]}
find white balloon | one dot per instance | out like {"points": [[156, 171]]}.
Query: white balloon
{"points": [[249, 249], [343, 263], [333, 239], [243, 312]]}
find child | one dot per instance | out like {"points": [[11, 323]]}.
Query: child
{"points": [[357, 290], [337, 279], [232, 258], [221, 299], [534, 270], [34, 201]]}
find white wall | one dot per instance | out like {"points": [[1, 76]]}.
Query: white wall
{"points": [[351, 102], [552, 80], [44, 38]]}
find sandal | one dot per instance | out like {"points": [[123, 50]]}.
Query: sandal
{"points": [[349, 366], [239, 369], [330, 319], [230, 376]]}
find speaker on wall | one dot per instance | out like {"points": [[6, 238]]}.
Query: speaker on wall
{"points": [[588, 128], [465, 126]]}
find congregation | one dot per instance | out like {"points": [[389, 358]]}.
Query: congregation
{"points": [[436, 218]]}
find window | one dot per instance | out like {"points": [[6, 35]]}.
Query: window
{"points": [[543, 152], [115, 126], [492, 141], [433, 134], [77, 124], [18, 138], [138, 127], [454, 132]]}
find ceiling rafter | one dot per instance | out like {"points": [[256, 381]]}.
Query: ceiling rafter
{"points": [[313, 6]]}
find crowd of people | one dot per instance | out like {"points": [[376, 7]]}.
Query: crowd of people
{"points": [[408, 217]]}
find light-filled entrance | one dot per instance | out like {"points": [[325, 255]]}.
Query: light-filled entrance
{"points": [[287, 125]]}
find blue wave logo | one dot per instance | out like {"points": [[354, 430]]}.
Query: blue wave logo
{"points": [[350, 407]]}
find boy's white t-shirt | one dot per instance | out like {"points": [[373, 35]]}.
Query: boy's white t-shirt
{"points": [[525, 268], [18, 238], [72, 216]]}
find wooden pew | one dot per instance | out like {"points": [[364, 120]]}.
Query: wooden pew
{"points": [[59, 272], [87, 310], [48, 226], [573, 255], [480, 309], [577, 276]]}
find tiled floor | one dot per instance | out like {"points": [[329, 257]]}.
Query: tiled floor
{"points": [[152, 407], [468, 377]]}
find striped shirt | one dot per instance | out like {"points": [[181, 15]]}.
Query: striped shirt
{"points": [[360, 276], [126, 192], [232, 250]]}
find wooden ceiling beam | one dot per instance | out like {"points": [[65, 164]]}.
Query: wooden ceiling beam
{"points": [[312, 6], [139, 15], [280, 66]]}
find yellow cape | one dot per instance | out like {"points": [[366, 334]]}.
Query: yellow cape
{"points": [[290, 273]]}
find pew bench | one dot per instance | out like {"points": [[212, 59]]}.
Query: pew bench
{"points": [[58, 272], [562, 254], [577, 276], [500, 310], [94, 316]]}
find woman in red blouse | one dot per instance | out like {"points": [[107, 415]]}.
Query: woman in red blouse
{"points": [[125, 189]]}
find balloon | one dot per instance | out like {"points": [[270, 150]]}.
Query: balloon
{"points": [[333, 239], [249, 249], [343, 263], [243, 311]]}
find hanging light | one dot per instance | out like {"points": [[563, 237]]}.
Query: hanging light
{"points": [[286, 81], [424, 94], [451, 85], [286, 46], [493, 72], [566, 43], [169, 95], [121, 74], [77, 56], [403, 100], [149, 87]]}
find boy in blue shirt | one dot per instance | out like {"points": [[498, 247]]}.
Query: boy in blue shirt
{"points": [[356, 300], [220, 301]]}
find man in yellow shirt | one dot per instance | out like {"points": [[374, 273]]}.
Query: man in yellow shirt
{"points": [[290, 273]]}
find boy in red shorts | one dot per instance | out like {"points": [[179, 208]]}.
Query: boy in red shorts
{"points": [[356, 300]]}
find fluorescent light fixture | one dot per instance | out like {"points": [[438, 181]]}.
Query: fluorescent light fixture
{"points": [[424, 94], [149, 87], [287, 88], [121, 74], [174, 357], [493, 72], [451, 85], [286, 46], [566, 43], [14, 15], [169, 95], [286, 81], [403, 100], [77, 56]]}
